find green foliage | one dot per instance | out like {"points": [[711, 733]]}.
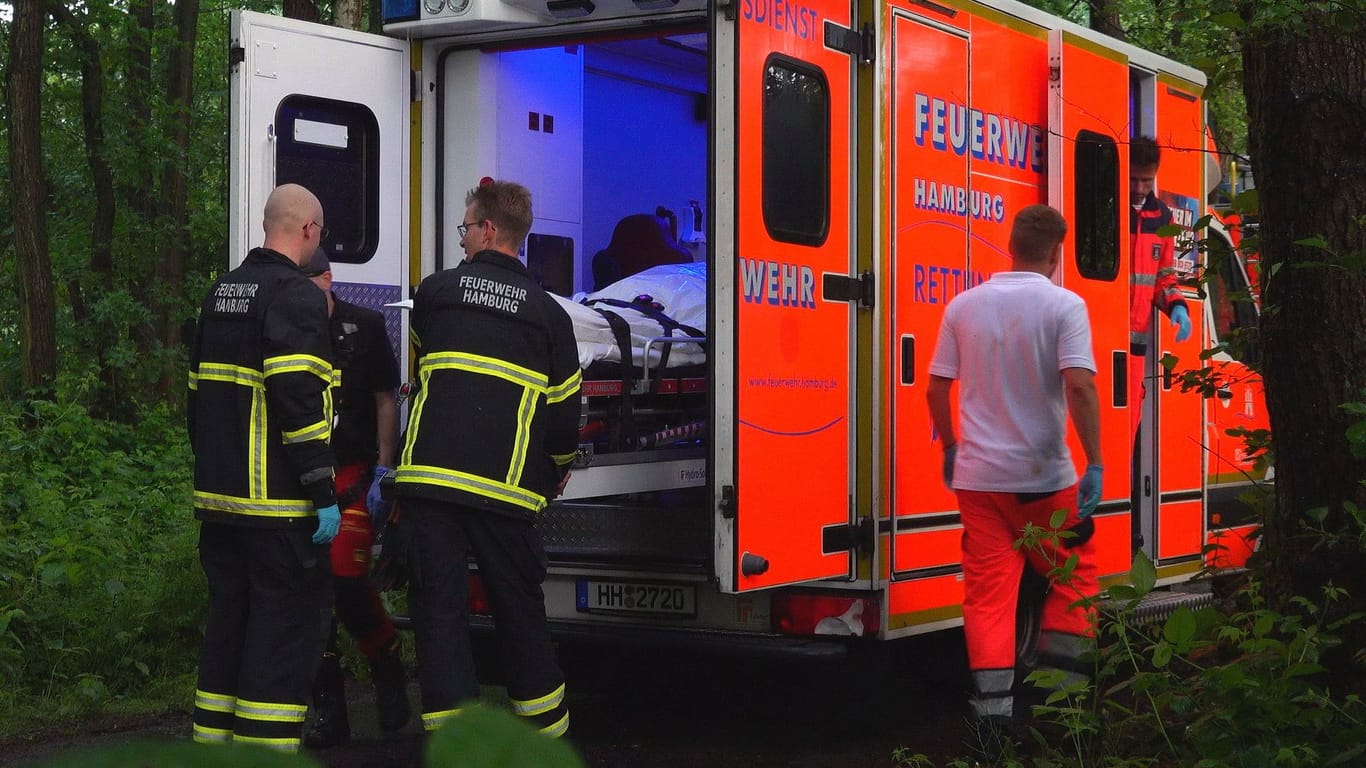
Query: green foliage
{"points": [[100, 598]]}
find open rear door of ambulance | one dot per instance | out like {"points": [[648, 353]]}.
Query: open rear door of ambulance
{"points": [[784, 298], [327, 108], [1088, 154]]}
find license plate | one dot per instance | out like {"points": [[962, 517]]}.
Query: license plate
{"points": [[632, 597]]}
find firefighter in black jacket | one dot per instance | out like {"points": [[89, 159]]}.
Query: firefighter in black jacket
{"points": [[490, 438], [259, 416]]}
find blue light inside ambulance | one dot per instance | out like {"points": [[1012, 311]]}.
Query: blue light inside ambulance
{"points": [[398, 10]]}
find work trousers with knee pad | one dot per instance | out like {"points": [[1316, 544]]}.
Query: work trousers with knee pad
{"points": [[439, 540], [992, 568], [269, 611]]}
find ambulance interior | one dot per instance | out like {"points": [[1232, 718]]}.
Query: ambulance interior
{"points": [[610, 135]]}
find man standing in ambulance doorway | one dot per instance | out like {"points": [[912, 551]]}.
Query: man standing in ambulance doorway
{"points": [[260, 419], [1021, 348], [1154, 284], [490, 439]]}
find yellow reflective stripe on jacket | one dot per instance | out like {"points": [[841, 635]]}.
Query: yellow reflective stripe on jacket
{"points": [[256, 445], [415, 420], [464, 481], [299, 364], [526, 410], [561, 459], [194, 381], [214, 702], [435, 361], [218, 502], [433, 720], [538, 706], [271, 712], [318, 431], [562, 391], [229, 374]]}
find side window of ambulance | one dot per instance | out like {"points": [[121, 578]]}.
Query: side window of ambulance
{"points": [[332, 148], [1096, 201], [796, 152]]}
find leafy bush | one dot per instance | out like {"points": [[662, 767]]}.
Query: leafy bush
{"points": [[100, 591]]}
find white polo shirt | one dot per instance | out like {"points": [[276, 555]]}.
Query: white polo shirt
{"points": [[1007, 342]]}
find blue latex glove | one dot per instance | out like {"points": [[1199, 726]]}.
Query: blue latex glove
{"points": [[1182, 320], [950, 455], [329, 522], [1088, 491], [374, 502]]}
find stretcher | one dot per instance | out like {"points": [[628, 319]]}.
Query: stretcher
{"points": [[643, 349]]}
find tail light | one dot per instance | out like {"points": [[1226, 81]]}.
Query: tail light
{"points": [[815, 614]]}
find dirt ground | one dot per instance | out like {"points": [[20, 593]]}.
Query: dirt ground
{"points": [[667, 710]]}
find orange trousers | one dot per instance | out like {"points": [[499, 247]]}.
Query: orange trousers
{"points": [[992, 567]]}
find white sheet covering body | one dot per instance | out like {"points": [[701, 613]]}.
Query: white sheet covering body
{"points": [[682, 291]]}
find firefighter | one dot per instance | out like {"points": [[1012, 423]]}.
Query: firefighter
{"points": [[259, 418], [365, 442], [490, 439], [1154, 283], [1021, 347]]}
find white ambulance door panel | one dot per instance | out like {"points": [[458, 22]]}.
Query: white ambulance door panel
{"points": [[1088, 181], [782, 146], [327, 108]]}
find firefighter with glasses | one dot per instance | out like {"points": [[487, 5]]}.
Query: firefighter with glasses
{"points": [[259, 418], [489, 441]]}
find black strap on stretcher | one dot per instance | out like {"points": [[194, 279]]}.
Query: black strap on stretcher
{"points": [[621, 331]]}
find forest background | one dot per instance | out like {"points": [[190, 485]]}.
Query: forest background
{"points": [[113, 189]]}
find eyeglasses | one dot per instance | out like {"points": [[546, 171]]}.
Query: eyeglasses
{"points": [[323, 232], [464, 229]]}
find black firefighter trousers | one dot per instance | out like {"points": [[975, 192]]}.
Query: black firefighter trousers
{"points": [[512, 565], [269, 610]]}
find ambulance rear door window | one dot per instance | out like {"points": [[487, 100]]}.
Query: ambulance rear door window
{"points": [[1096, 201], [796, 152], [332, 148]]}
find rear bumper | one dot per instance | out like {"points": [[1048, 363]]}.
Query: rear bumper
{"points": [[737, 643]]}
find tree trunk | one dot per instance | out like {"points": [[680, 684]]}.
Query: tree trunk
{"points": [[37, 305], [142, 194], [348, 14], [1306, 96], [303, 10], [92, 121], [1105, 18], [171, 268]]}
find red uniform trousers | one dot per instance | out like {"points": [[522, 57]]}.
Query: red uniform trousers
{"points": [[992, 568], [358, 605]]}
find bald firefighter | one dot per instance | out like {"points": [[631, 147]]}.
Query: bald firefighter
{"points": [[259, 418], [489, 441]]}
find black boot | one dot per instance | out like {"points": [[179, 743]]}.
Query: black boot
{"points": [[329, 725], [391, 688]]}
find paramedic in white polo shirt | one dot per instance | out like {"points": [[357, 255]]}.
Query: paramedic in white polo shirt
{"points": [[1021, 348]]}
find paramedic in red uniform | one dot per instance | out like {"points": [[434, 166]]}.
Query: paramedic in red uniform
{"points": [[365, 441], [490, 439], [259, 418], [1154, 282], [1021, 348]]}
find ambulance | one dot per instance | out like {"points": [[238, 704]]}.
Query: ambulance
{"points": [[827, 175]]}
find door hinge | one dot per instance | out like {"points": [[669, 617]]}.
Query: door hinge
{"points": [[728, 502], [862, 289], [236, 55], [842, 538], [858, 43]]}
